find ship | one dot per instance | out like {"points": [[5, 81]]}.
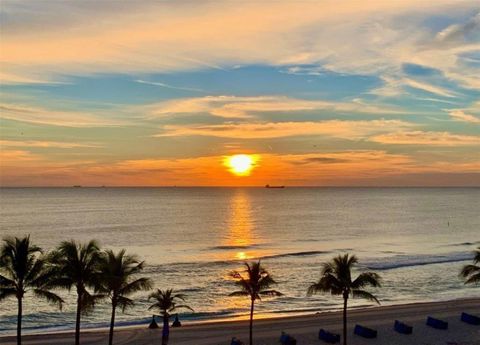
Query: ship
{"points": [[268, 186]]}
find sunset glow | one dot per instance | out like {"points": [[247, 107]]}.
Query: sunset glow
{"points": [[163, 93]]}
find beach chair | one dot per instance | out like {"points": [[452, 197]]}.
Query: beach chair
{"points": [[328, 337], [436, 323], [236, 341], [470, 319], [365, 332], [287, 339], [402, 328]]}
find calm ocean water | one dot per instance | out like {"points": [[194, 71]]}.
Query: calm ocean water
{"points": [[417, 239]]}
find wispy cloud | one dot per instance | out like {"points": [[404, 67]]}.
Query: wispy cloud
{"points": [[39, 115], [168, 86], [44, 144], [170, 35], [248, 107], [427, 138], [460, 115], [350, 130], [429, 88]]}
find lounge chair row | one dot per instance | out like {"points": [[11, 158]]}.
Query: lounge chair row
{"points": [[398, 326]]}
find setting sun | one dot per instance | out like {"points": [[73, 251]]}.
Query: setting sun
{"points": [[240, 165]]}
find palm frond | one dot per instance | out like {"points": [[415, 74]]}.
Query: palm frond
{"points": [[468, 270], [140, 284], [6, 282], [473, 279], [366, 279], [239, 293], [476, 258], [124, 303], [270, 293], [181, 306], [49, 297], [7, 292], [365, 295]]}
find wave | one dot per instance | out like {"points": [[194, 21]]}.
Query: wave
{"points": [[307, 253], [228, 247], [463, 244], [399, 261], [174, 267]]}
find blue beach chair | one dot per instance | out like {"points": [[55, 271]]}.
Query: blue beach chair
{"points": [[402, 328], [470, 319], [437, 323], [287, 339], [365, 332], [328, 337]]}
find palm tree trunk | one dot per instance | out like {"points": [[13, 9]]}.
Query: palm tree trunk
{"points": [[165, 330], [19, 321], [112, 323], [251, 321], [77, 321], [345, 299]]}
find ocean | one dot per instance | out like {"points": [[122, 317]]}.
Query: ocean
{"points": [[191, 238]]}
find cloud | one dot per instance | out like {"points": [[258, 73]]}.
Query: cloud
{"points": [[237, 107], [39, 115], [351, 130], [43, 144], [460, 115], [459, 33], [168, 86], [429, 88], [426, 138], [96, 37]]}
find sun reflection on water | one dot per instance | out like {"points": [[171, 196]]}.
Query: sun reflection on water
{"points": [[240, 225]]}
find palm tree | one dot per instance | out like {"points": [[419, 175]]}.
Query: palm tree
{"points": [[255, 283], [116, 281], [337, 279], [471, 273], [77, 267], [166, 303], [23, 269]]}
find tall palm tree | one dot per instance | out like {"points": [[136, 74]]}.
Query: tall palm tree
{"points": [[166, 303], [255, 283], [337, 279], [471, 273], [23, 269], [77, 267], [117, 281]]}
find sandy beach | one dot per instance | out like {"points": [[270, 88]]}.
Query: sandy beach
{"points": [[303, 328]]}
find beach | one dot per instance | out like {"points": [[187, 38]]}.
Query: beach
{"points": [[303, 328]]}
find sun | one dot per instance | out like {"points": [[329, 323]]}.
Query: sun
{"points": [[240, 165]]}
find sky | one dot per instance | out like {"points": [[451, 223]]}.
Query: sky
{"points": [[161, 93]]}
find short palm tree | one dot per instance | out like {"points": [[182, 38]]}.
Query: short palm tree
{"points": [[117, 273], [471, 273], [166, 303], [337, 279], [77, 267], [255, 282], [22, 269]]}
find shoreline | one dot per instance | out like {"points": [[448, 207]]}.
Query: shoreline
{"points": [[301, 326]]}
